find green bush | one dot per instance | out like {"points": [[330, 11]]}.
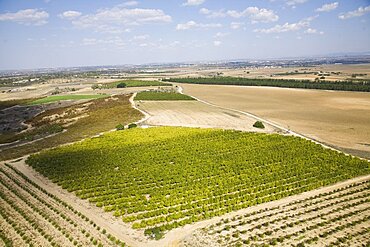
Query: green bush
{"points": [[154, 233], [121, 85], [120, 127], [132, 125], [259, 125]]}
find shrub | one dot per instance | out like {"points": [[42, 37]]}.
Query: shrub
{"points": [[132, 125], [120, 127], [259, 125], [121, 85], [154, 233]]}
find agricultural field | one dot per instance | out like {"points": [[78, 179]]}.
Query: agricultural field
{"points": [[134, 83], [67, 124], [31, 216], [186, 175], [362, 85], [159, 96], [337, 216], [192, 113], [338, 119], [56, 98]]}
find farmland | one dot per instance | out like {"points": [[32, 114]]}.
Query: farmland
{"points": [[179, 178], [339, 119], [336, 216], [159, 96], [31, 216], [135, 83], [363, 86], [192, 113]]}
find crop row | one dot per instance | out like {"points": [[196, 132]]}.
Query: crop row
{"points": [[166, 177], [331, 215], [25, 196]]}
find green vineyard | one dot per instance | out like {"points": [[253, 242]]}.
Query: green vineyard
{"points": [[163, 178]]}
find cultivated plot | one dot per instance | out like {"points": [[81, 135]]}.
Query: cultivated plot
{"points": [[339, 119], [336, 217], [31, 216], [185, 175]]}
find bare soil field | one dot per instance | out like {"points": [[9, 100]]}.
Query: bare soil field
{"points": [[333, 72], [339, 119], [338, 215], [197, 114]]}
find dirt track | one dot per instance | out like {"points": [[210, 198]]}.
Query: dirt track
{"points": [[339, 119]]}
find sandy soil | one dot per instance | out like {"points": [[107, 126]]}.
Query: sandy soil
{"points": [[339, 119], [197, 114]]}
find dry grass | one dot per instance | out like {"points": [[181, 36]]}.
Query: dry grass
{"points": [[339, 119], [81, 121]]}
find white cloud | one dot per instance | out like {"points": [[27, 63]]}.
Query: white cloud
{"points": [[287, 27], [328, 7], [141, 37], [236, 25], [117, 41], [194, 25], [295, 2], [255, 14], [356, 13], [205, 11], [70, 14], [113, 20], [221, 35], [129, 3], [217, 43], [193, 2], [311, 31], [27, 17], [213, 13]]}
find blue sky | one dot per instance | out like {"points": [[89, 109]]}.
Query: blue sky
{"points": [[56, 33]]}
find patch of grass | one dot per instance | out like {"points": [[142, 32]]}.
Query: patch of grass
{"points": [[99, 116], [167, 177], [135, 83], [153, 95], [55, 98]]}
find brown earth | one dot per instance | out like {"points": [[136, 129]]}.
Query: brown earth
{"points": [[340, 119], [197, 114]]}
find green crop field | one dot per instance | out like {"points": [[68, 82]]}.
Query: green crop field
{"points": [[153, 95], [162, 178], [136, 83], [55, 98]]}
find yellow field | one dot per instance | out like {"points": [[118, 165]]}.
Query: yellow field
{"points": [[340, 119]]}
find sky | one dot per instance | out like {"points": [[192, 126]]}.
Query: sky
{"points": [[68, 33]]}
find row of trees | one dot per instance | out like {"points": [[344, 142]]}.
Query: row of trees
{"points": [[363, 86]]}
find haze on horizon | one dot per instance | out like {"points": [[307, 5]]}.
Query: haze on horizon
{"points": [[50, 33]]}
